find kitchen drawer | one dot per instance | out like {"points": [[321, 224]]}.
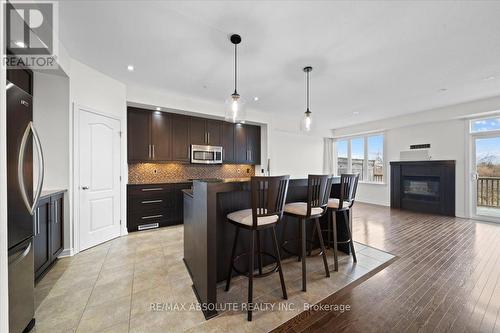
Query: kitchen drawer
{"points": [[152, 204], [150, 190]]}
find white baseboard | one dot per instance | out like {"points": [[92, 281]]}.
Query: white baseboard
{"points": [[66, 253], [374, 202]]}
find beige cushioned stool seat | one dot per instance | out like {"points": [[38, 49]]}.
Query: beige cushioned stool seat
{"points": [[245, 217], [300, 208], [334, 203]]}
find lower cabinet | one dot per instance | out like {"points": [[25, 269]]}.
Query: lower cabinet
{"points": [[154, 206], [48, 232]]}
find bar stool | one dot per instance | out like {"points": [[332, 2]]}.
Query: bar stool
{"points": [[318, 191], [268, 196], [348, 186]]}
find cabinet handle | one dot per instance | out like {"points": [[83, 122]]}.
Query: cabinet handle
{"points": [[208, 138], [151, 201], [151, 189], [38, 221], [153, 151], [149, 151], [151, 217]]}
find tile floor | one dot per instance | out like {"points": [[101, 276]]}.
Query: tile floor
{"points": [[111, 288]]}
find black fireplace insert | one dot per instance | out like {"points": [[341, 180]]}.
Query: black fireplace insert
{"points": [[424, 186]]}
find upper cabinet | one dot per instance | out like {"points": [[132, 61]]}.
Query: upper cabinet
{"points": [[139, 135], [180, 138], [162, 136], [205, 131], [149, 135]]}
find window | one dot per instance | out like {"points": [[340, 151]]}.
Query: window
{"points": [[363, 155], [358, 156], [342, 157], [485, 125]]}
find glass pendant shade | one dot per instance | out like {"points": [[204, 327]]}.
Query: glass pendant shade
{"points": [[307, 121], [235, 109]]}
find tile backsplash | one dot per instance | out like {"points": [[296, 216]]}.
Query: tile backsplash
{"points": [[164, 172]]}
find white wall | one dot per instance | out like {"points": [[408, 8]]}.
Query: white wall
{"points": [[101, 93], [51, 109], [51, 118], [444, 128]]}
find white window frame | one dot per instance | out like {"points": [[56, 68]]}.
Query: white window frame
{"points": [[365, 162]]}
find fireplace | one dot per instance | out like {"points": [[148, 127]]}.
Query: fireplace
{"points": [[424, 186]]}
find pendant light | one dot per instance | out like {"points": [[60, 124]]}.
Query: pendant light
{"points": [[306, 122], [235, 112]]}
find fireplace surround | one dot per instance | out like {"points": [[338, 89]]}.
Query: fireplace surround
{"points": [[424, 186]]}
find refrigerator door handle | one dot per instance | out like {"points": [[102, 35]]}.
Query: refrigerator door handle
{"points": [[20, 171], [21, 256]]}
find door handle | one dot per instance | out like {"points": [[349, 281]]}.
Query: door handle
{"points": [[85, 188], [20, 170]]}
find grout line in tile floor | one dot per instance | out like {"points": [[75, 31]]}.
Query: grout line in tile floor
{"points": [[93, 287]]}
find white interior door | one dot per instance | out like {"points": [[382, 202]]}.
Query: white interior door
{"points": [[99, 184]]}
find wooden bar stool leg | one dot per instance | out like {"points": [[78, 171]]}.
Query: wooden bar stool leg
{"points": [[280, 270], [250, 275], [230, 269], [322, 244], [349, 234], [259, 258], [302, 224], [334, 230]]}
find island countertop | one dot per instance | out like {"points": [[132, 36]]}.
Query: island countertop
{"points": [[208, 236]]}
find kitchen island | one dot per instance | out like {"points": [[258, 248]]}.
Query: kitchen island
{"points": [[208, 236]]}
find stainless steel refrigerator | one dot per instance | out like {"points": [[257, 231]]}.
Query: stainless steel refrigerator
{"points": [[22, 199]]}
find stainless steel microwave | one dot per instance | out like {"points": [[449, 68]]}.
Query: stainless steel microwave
{"points": [[206, 154]]}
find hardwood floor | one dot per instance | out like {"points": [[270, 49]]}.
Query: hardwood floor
{"points": [[446, 277]]}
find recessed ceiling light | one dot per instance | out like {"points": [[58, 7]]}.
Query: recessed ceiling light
{"points": [[256, 98], [355, 113], [130, 68], [158, 108], [489, 78], [20, 43]]}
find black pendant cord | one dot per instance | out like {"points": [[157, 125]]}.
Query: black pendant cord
{"points": [[307, 88], [235, 68]]}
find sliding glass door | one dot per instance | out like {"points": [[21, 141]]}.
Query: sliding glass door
{"points": [[486, 175]]}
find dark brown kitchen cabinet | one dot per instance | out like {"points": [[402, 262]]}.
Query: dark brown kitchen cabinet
{"points": [[240, 143], [205, 131], [180, 138], [154, 206], [48, 232], [253, 144], [161, 136], [41, 244], [228, 142], [214, 132], [149, 135], [197, 132], [139, 135], [56, 229]]}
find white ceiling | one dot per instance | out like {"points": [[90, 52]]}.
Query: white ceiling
{"points": [[380, 59]]}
